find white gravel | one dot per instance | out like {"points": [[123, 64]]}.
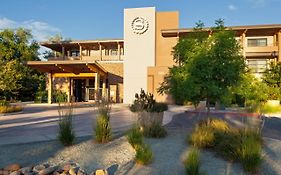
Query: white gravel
{"points": [[168, 152]]}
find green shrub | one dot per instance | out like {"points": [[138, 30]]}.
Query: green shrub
{"points": [[10, 108], [155, 130], [192, 163], [135, 137], [250, 154], [143, 154], [4, 103], [216, 124], [41, 96], [59, 96], [269, 109], [103, 128], [146, 102], [66, 133], [202, 137]]}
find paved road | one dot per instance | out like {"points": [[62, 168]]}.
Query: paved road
{"points": [[271, 128], [40, 123]]}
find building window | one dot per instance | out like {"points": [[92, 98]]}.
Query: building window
{"points": [[75, 53], [114, 52], [258, 42], [106, 52], [257, 65]]}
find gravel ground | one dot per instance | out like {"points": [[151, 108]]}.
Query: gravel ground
{"points": [[168, 152]]}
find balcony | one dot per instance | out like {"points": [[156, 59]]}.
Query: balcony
{"points": [[90, 58], [262, 51]]}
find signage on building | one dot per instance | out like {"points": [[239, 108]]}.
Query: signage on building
{"points": [[140, 25]]}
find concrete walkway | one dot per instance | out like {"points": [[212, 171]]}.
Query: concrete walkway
{"points": [[39, 122]]}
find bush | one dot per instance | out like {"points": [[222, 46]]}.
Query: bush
{"points": [[202, 137], [66, 133], [192, 163], [146, 102], [155, 130], [135, 137], [10, 108], [103, 128], [269, 109], [250, 154], [41, 97], [4, 103], [216, 124], [59, 96], [143, 154]]}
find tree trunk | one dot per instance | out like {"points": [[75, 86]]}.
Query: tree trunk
{"points": [[208, 106]]}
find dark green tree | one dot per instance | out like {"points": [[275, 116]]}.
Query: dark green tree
{"points": [[208, 65], [272, 77], [17, 81]]}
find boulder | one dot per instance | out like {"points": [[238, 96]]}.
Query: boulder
{"points": [[66, 167], [4, 172], [15, 173], [38, 168], [101, 172], [25, 170], [47, 171], [12, 167], [72, 171]]}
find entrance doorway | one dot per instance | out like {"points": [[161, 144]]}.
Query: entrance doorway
{"points": [[79, 89]]}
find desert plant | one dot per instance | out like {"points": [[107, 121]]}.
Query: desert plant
{"points": [[41, 96], [10, 108], [102, 129], [216, 124], [250, 154], [155, 130], [59, 96], [202, 137], [192, 163], [66, 133], [135, 137], [143, 154]]}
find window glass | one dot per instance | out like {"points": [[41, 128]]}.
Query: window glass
{"points": [[257, 65], [259, 42]]}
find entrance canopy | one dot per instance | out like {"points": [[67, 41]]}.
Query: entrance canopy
{"points": [[74, 67]]}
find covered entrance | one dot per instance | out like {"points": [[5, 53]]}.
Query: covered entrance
{"points": [[84, 80]]}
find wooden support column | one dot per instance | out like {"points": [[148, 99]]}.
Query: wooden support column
{"points": [[50, 87], [279, 46], [69, 90], [100, 48], [104, 87], [97, 85], [243, 44], [80, 51], [62, 51], [119, 51]]}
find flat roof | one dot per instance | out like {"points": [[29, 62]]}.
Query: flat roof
{"points": [[254, 30]]}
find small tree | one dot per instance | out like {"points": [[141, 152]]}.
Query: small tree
{"points": [[207, 67], [272, 77]]}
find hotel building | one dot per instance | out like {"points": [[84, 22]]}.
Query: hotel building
{"points": [[118, 68]]}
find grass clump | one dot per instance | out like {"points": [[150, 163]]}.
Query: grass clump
{"points": [[66, 133], [10, 108], [192, 163], [270, 109], [102, 130], [250, 154], [135, 137], [243, 145], [143, 154], [155, 130]]}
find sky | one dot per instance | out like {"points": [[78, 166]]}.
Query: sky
{"points": [[102, 19]]}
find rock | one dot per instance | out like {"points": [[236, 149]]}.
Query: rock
{"points": [[12, 167], [38, 168], [4, 172], [47, 171], [72, 171], [80, 172], [25, 170], [112, 169], [101, 172], [66, 167], [15, 173], [56, 173], [30, 173]]}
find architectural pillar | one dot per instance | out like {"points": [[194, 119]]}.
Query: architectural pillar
{"points": [[243, 43], [104, 87], [50, 87], [119, 51], [97, 85], [279, 46], [80, 52], [100, 48], [69, 90], [62, 51]]}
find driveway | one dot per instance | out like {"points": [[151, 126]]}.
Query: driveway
{"points": [[39, 122]]}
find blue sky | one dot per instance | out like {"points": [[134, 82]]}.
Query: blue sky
{"points": [[96, 19]]}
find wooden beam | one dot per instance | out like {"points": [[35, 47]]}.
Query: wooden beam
{"points": [[73, 75], [95, 69]]}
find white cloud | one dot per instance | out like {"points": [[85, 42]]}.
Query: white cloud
{"points": [[40, 30], [232, 7]]}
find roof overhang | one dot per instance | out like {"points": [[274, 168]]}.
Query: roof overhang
{"points": [[73, 66], [253, 30]]}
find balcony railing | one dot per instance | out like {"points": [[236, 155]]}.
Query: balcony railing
{"points": [[90, 58]]}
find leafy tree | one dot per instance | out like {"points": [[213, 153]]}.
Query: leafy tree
{"points": [[272, 77], [18, 81], [208, 65]]}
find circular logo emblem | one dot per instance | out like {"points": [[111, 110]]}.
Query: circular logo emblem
{"points": [[140, 25]]}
